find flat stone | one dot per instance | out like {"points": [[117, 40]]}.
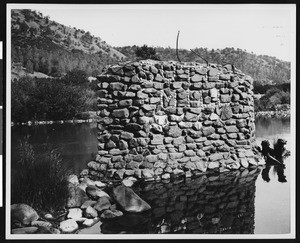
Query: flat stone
{"points": [[213, 165], [90, 222], [213, 72], [68, 226], [208, 131], [149, 107], [24, 230], [119, 174], [225, 98], [90, 212], [215, 157], [120, 113], [201, 165], [189, 153], [95, 192], [244, 162], [22, 214], [231, 129], [151, 158], [191, 117], [178, 171], [129, 181], [196, 78], [174, 131], [226, 112], [213, 93], [126, 135], [213, 117], [125, 103], [41, 224], [111, 214], [102, 204], [165, 176], [129, 200], [157, 139], [147, 173], [74, 213]]}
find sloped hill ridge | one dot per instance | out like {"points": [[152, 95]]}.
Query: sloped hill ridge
{"points": [[265, 70], [43, 45]]}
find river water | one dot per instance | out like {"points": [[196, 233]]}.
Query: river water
{"points": [[250, 204]]}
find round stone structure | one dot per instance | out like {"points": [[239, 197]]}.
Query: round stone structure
{"points": [[158, 119]]}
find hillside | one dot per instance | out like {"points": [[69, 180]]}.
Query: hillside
{"points": [[42, 45], [265, 70]]}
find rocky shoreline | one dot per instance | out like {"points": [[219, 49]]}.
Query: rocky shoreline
{"points": [[260, 114], [93, 203], [273, 114], [89, 202]]}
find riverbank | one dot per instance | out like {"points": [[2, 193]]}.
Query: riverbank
{"points": [[285, 114]]}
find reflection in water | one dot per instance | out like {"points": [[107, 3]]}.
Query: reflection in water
{"points": [[278, 169], [210, 204]]}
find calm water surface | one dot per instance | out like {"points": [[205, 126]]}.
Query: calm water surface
{"points": [[255, 206]]}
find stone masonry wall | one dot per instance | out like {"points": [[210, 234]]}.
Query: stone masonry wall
{"points": [[158, 119]]}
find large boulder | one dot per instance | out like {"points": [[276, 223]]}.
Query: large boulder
{"points": [[22, 215], [129, 200], [95, 192]]}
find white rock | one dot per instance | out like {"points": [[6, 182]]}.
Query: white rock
{"points": [[261, 161], [90, 222], [68, 226], [166, 176], [214, 117], [100, 184], [74, 213], [213, 93], [244, 162], [48, 216], [129, 181], [73, 179]]}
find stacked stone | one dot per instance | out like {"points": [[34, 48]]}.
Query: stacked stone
{"points": [[158, 119], [208, 204]]}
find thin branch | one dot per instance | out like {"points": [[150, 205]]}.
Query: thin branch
{"points": [[200, 56], [177, 47]]}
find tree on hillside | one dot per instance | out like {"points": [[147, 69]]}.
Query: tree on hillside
{"points": [[146, 52]]}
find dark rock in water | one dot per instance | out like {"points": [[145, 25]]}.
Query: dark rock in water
{"points": [[77, 197], [129, 200], [129, 223], [22, 215], [111, 214], [102, 204], [26, 230], [47, 230], [95, 193]]}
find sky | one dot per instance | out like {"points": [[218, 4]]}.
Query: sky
{"points": [[266, 29]]}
